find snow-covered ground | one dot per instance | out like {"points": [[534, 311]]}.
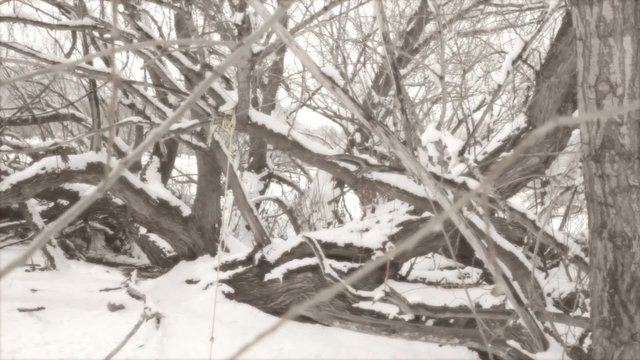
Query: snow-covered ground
{"points": [[77, 323]]}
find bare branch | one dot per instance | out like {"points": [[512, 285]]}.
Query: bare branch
{"points": [[54, 227]]}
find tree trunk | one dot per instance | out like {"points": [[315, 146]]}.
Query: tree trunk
{"points": [[167, 152], [608, 46], [554, 94], [207, 208]]}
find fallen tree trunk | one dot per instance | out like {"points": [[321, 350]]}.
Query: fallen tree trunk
{"points": [[160, 214], [276, 297]]}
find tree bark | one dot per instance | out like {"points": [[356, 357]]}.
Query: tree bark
{"points": [[207, 208], [554, 95], [608, 45], [157, 215]]}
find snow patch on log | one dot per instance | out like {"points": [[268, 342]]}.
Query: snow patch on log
{"points": [[417, 293], [52, 164], [343, 266], [399, 181], [78, 22], [185, 61], [279, 247], [432, 135], [279, 272], [333, 74], [159, 242], [390, 310], [79, 162], [159, 192], [507, 65], [184, 125], [466, 275], [329, 266], [507, 130], [371, 232], [280, 126], [230, 96]]}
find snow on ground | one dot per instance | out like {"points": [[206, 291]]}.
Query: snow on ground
{"points": [[77, 324]]}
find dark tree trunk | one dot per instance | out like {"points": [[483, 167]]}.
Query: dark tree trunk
{"points": [[608, 56], [554, 94], [166, 151], [207, 209]]}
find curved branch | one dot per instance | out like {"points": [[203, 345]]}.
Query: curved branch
{"points": [[271, 175], [293, 219], [155, 211]]}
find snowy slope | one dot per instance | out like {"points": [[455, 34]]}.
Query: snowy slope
{"points": [[76, 323]]}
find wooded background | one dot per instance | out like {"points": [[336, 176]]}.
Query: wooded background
{"points": [[336, 146]]}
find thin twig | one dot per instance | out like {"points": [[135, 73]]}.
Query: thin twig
{"points": [[451, 209]]}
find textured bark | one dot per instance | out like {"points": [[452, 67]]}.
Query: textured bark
{"points": [[554, 95], [92, 94], [118, 217], [167, 150], [277, 297], [408, 49], [154, 214], [269, 90], [608, 56], [207, 208], [155, 254]]}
